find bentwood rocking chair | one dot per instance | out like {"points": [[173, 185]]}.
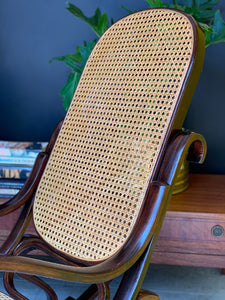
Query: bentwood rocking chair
{"points": [[99, 193]]}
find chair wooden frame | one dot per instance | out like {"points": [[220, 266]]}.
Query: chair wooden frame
{"points": [[134, 257], [184, 145]]}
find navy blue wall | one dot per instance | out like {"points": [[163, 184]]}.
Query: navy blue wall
{"points": [[32, 32]]}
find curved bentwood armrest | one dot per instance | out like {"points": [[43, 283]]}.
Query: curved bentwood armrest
{"points": [[32, 182], [182, 145]]}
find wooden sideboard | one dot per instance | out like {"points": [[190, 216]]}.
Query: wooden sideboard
{"points": [[192, 232]]}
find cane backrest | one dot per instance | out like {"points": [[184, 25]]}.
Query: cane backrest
{"points": [[111, 142]]}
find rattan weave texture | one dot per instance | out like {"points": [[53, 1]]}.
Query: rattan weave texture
{"points": [[93, 187]]}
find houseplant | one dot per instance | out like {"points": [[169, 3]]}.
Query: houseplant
{"points": [[203, 11]]}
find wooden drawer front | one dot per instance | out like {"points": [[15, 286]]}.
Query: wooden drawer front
{"points": [[190, 229], [187, 235]]}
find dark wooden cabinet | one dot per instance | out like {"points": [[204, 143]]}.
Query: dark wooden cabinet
{"points": [[192, 232]]}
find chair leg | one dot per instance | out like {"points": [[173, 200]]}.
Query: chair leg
{"points": [[133, 278], [90, 293], [40, 283], [101, 290], [147, 295], [10, 288]]}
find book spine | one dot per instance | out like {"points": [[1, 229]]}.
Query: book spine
{"points": [[8, 148], [11, 183], [15, 172], [4, 152], [8, 193], [13, 160]]}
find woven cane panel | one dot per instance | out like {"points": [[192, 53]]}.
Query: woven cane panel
{"points": [[95, 181]]}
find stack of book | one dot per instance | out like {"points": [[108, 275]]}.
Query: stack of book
{"points": [[16, 162]]}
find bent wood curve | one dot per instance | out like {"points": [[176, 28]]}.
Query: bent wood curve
{"points": [[158, 196], [117, 264]]}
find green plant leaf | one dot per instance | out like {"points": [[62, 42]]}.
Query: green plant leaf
{"points": [[205, 15], [208, 18], [207, 32], [218, 27], [155, 3], [189, 10], [69, 88], [91, 21], [205, 27], [206, 4], [76, 57], [103, 24], [127, 9], [97, 22], [85, 52], [207, 38], [111, 21], [68, 61]]}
